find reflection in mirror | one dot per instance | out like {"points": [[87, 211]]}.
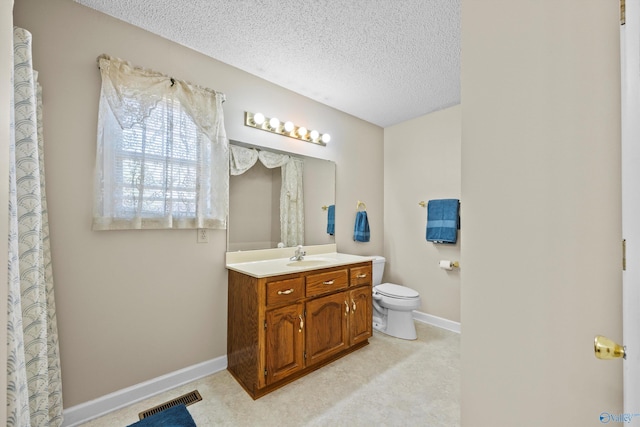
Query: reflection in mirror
{"points": [[254, 205]]}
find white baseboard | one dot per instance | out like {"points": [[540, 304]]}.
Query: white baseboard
{"points": [[77, 415], [430, 319]]}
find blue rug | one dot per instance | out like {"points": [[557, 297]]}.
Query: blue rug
{"points": [[176, 416]]}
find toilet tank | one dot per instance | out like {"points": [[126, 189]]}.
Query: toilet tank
{"points": [[378, 269]]}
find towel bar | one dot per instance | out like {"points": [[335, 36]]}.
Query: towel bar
{"points": [[422, 203], [361, 204]]}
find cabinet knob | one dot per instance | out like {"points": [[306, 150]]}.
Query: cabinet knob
{"points": [[301, 323], [353, 305], [329, 282], [361, 276], [286, 292], [347, 308]]}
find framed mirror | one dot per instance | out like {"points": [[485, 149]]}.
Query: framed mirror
{"points": [[254, 204]]}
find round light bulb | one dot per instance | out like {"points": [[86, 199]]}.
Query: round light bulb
{"points": [[288, 126], [326, 138], [274, 123], [302, 131], [258, 118], [314, 135]]}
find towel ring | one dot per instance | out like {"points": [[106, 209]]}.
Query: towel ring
{"points": [[361, 204]]}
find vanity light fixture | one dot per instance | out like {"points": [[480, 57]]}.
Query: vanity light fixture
{"points": [[273, 125]]}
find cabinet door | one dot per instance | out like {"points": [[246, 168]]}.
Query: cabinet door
{"points": [[327, 319], [284, 341], [360, 322]]}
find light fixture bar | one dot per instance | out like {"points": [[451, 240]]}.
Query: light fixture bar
{"points": [[287, 128]]}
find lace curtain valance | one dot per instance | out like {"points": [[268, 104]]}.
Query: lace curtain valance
{"points": [[122, 82], [241, 159]]}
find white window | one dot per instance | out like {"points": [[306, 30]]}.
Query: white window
{"points": [[162, 157]]}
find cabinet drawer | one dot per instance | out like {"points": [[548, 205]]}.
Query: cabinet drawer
{"points": [[283, 291], [326, 282], [360, 275]]}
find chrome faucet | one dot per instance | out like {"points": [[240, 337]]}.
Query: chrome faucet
{"points": [[299, 254]]}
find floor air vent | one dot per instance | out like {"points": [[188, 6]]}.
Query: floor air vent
{"points": [[186, 399]]}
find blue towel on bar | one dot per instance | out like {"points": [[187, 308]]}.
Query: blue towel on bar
{"points": [[361, 230], [443, 220], [331, 220]]}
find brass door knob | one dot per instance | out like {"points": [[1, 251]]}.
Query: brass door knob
{"points": [[606, 349]]}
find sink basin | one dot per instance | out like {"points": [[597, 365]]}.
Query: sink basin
{"points": [[307, 263]]}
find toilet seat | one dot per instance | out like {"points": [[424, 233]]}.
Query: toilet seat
{"points": [[392, 290]]}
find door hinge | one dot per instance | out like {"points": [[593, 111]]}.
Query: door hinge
{"points": [[265, 372], [624, 254], [622, 12], [265, 324], [305, 355]]}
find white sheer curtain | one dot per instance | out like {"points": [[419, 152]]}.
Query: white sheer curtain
{"points": [[242, 159], [34, 388], [162, 157], [292, 204]]}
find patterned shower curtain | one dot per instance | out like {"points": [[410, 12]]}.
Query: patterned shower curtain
{"points": [[34, 389]]}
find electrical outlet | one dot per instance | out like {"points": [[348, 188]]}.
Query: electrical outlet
{"points": [[203, 236]]}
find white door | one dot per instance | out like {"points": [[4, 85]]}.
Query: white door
{"points": [[630, 67]]}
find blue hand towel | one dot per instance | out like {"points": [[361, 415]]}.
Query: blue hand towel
{"points": [[331, 220], [443, 220], [361, 230]]}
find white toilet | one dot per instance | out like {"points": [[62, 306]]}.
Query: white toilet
{"points": [[392, 305]]}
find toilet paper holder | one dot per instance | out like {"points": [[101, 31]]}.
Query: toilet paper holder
{"points": [[448, 265]]}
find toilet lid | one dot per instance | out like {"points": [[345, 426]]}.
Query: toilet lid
{"points": [[396, 291]]}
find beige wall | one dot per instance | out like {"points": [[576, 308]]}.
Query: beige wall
{"points": [[6, 88], [134, 305], [541, 204], [422, 162]]}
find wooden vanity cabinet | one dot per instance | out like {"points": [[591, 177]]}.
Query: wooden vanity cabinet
{"points": [[281, 328]]}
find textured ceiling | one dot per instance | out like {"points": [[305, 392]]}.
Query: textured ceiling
{"points": [[384, 61]]}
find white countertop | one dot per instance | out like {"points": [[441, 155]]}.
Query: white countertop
{"points": [[279, 266]]}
